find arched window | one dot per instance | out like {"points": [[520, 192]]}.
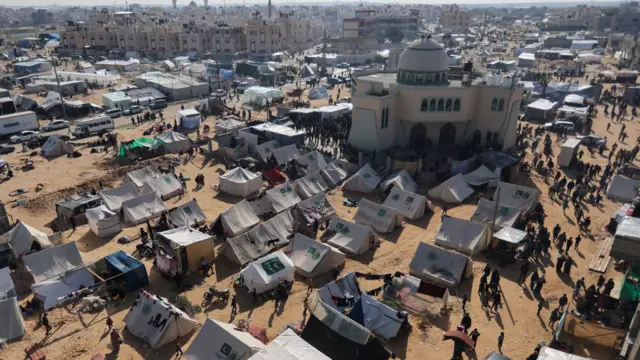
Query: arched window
{"points": [[456, 105], [419, 78], [432, 105], [425, 105], [429, 77], [501, 105], [449, 105], [441, 105], [494, 104], [410, 77]]}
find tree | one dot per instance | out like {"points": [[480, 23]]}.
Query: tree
{"points": [[394, 34]]}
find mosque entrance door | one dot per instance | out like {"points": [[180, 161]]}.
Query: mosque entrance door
{"points": [[417, 137], [447, 135]]}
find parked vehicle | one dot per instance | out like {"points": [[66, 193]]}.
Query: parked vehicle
{"points": [[591, 140], [334, 81], [133, 110], [220, 93], [56, 125], [215, 295], [23, 136], [18, 122], [6, 149], [343, 66], [158, 104], [242, 87], [113, 113], [558, 126], [95, 125]]}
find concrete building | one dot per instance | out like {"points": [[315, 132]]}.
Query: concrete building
{"points": [[455, 20], [42, 17], [630, 52], [418, 107], [372, 23], [264, 38], [627, 20], [175, 87]]}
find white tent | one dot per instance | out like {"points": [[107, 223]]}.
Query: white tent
{"points": [[310, 185], [377, 317], [510, 235], [7, 288], [282, 197], [141, 208], [285, 154], [11, 323], [518, 196], [622, 188], [401, 179], [267, 272], [103, 222], [455, 190], [228, 125], [379, 217], [461, 235], [351, 238], [174, 142], [312, 258], [218, 340], [53, 261], [289, 346], [59, 287], [439, 266], [366, 180], [113, 198], [567, 151], [21, 238], [54, 146], [259, 95], [238, 219], [315, 208], [335, 172], [265, 150], [157, 322], [482, 176], [166, 186], [310, 162], [187, 214], [626, 240], [408, 204], [319, 92], [240, 182], [485, 210], [141, 176], [547, 353]]}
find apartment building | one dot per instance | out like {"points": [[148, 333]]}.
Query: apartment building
{"points": [[370, 23], [455, 20], [627, 19], [300, 34], [265, 38], [630, 52]]}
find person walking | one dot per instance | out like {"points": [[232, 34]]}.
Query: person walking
{"points": [[540, 305], [497, 299], [608, 287], [559, 262], [115, 341], [600, 283], [556, 231], [500, 341], [578, 239], [524, 269], [569, 243], [109, 323], [44, 320], [234, 306], [254, 297], [179, 351], [474, 335], [555, 316], [533, 279], [464, 303]]}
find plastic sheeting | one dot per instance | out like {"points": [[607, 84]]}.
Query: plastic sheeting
{"points": [[547, 353], [144, 207], [439, 266], [174, 142], [100, 79], [113, 198], [265, 150], [461, 235], [311, 185], [228, 125], [166, 186], [510, 235], [238, 219], [310, 162], [188, 214], [376, 316], [282, 197], [61, 286], [319, 92], [11, 323], [285, 154], [455, 190], [623, 188], [289, 346], [366, 180], [335, 172], [259, 95], [217, 340], [485, 210], [48, 263], [402, 180], [141, 176], [7, 288], [240, 182], [312, 258], [410, 205], [626, 240], [379, 217], [351, 238], [267, 272], [482, 176], [22, 236], [316, 208]]}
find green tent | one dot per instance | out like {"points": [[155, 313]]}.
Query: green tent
{"points": [[630, 290], [139, 145]]}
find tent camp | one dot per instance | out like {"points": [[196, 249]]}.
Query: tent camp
{"points": [[187, 214], [439, 266], [485, 210], [289, 346], [267, 272], [236, 220], [265, 150], [510, 235], [366, 180], [482, 176], [141, 176], [157, 322], [48, 263], [376, 316], [461, 235], [312, 258], [113, 198], [282, 197], [310, 162], [188, 246], [54, 146], [7, 288], [142, 208], [522, 197], [240, 182], [626, 240], [103, 222], [286, 154], [166, 186], [310, 185], [351, 238], [218, 340], [379, 217], [11, 323], [410, 205], [23, 238], [402, 180], [59, 287], [622, 188], [317, 208], [335, 173], [228, 125], [174, 142], [541, 110], [455, 190]]}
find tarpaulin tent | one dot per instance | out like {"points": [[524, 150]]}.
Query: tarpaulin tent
{"points": [[240, 182], [227, 125], [103, 222], [626, 240], [409, 204], [22, 238], [541, 109], [136, 147], [461, 235], [319, 92], [547, 353], [285, 154], [510, 235], [366, 180], [7, 288], [377, 317], [439, 266], [113, 198], [312, 258], [455, 190], [402, 180], [59, 287], [265, 150], [351, 238], [485, 210], [11, 323], [310, 185], [187, 214], [282, 197], [310, 162], [141, 176], [174, 142], [345, 287], [237, 219], [316, 208], [129, 267], [259, 95], [518, 196], [54, 146], [187, 245], [166, 186], [53, 261], [289, 346], [218, 340], [379, 217], [267, 272], [482, 176], [157, 322], [142, 208], [622, 188], [335, 172]]}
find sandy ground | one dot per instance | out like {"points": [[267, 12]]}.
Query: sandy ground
{"points": [[81, 336]]}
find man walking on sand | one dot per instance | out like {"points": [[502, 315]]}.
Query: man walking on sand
{"points": [[500, 341]]}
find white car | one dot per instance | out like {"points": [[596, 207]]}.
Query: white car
{"points": [[220, 93], [24, 136], [56, 125]]}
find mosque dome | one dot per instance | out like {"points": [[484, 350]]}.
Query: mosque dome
{"points": [[423, 61], [193, 4]]}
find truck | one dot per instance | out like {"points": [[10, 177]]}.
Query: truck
{"points": [[18, 122]]}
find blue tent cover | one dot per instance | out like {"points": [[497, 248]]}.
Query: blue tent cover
{"points": [[134, 271]]}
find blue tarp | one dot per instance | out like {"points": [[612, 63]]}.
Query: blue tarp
{"points": [[227, 74], [134, 271]]}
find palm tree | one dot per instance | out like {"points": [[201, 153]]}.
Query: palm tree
{"points": [[544, 81]]}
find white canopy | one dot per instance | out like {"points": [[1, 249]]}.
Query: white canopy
{"points": [[22, 236], [543, 104], [379, 217], [310, 185], [174, 142], [49, 291], [187, 214], [103, 222], [482, 176], [289, 346], [351, 238], [238, 219], [166, 186], [141, 176], [7, 288], [510, 235], [365, 180], [439, 266], [282, 197], [54, 146], [401, 179], [53, 261], [518, 196], [622, 188], [267, 272], [185, 236], [286, 154], [265, 150], [455, 190], [547, 353], [574, 99], [335, 172], [228, 125], [157, 322], [408, 204], [485, 210], [11, 323], [312, 258], [113, 198], [461, 235], [142, 208], [218, 340], [259, 95], [310, 162], [240, 182], [315, 208]]}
